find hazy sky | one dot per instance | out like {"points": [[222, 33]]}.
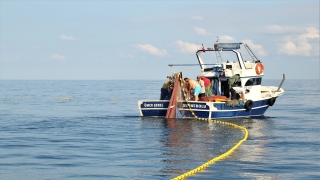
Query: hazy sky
{"points": [[138, 39]]}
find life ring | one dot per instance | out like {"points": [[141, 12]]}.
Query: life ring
{"points": [[248, 105], [272, 101], [259, 68]]}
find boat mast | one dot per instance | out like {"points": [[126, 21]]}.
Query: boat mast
{"points": [[217, 51]]}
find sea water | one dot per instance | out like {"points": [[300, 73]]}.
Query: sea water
{"points": [[93, 130]]}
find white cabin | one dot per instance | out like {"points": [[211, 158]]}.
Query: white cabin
{"points": [[230, 60]]}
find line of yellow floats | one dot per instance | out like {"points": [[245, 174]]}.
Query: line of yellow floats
{"points": [[220, 157]]}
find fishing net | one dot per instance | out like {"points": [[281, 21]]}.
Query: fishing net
{"points": [[178, 106], [172, 107]]}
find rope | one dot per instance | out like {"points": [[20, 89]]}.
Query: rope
{"points": [[222, 156]]}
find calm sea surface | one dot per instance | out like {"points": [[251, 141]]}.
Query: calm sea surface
{"points": [[92, 130]]}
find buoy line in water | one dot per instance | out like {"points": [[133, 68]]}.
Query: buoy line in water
{"points": [[220, 157], [61, 99]]}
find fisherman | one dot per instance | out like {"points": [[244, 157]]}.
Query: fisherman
{"points": [[207, 86], [203, 90], [195, 86], [165, 89]]}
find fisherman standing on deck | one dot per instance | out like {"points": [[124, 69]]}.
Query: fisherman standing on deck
{"points": [[203, 90], [207, 86], [165, 89], [195, 86]]}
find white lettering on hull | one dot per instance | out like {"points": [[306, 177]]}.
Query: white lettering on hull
{"points": [[152, 105], [197, 106]]}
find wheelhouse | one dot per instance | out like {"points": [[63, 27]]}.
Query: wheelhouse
{"points": [[232, 67]]}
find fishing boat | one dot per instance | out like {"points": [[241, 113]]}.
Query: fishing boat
{"points": [[236, 67]]}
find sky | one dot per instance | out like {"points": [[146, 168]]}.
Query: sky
{"points": [[137, 40]]}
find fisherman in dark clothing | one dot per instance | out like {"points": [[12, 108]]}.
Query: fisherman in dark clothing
{"points": [[166, 89]]}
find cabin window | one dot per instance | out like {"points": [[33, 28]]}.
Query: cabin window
{"points": [[238, 83], [253, 81], [228, 66]]}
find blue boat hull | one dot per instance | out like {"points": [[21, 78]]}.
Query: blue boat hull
{"points": [[202, 109]]}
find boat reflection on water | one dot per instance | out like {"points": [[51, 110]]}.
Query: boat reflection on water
{"points": [[186, 144]]}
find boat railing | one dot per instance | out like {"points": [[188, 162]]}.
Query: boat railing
{"points": [[283, 78], [254, 58]]}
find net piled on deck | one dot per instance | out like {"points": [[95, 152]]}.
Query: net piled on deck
{"points": [[172, 107], [175, 107]]}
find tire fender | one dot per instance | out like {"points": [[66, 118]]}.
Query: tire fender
{"points": [[248, 105]]}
